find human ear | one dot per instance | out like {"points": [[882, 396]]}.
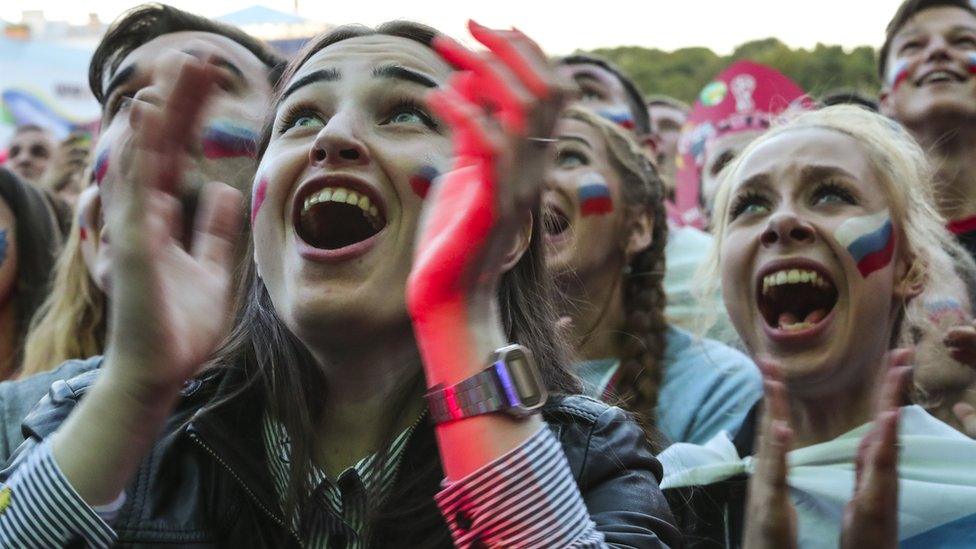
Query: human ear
{"points": [[911, 279], [884, 102], [640, 234], [520, 243]]}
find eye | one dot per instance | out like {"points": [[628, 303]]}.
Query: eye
{"points": [[750, 203], [831, 193], [910, 46], [301, 117], [569, 159], [409, 112], [120, 102], [965, 41]]}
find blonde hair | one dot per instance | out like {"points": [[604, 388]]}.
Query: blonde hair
{"points": [[70, 323], [899, 164]]}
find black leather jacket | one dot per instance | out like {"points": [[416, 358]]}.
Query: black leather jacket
{"points": [[206, 482]]}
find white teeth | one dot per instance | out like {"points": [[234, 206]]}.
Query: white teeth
{"points": [[346, 196], [792, 276]]}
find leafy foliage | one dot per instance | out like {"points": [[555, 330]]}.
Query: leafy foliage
{"points": [[682, 73]]}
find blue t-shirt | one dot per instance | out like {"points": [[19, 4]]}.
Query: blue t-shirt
{"points": [[707, 387]]}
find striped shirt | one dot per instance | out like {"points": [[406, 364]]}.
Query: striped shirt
{"points": [[346, 497], [526, 498]]}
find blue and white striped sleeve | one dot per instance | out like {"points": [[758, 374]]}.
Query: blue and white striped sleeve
{"points": [[526, 498], [39, 508]]}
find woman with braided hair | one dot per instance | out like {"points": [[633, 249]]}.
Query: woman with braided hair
{"points": [[607, 230]]}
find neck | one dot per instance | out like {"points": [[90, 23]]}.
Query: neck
{"points": [[952, 153], [365, 377], [823, 417], [8, 340], [599, 316]]}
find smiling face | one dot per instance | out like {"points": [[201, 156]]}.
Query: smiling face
{"points": [[225, 146], [335, 214], [808, 258], [932, 68], [584, 213]]}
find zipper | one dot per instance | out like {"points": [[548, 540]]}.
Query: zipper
{"points": [[247, 490]]}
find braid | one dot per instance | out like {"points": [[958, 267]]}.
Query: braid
{"points": [[645, 329]]}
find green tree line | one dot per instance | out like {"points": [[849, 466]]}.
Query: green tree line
{"points": [[682, 73]]}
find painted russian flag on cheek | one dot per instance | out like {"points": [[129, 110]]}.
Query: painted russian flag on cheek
{"points": [[972, 62], [621, 118], [898, 74], [257, 200], [870, 240], [101, 166], [224, 139], [594, 196]]}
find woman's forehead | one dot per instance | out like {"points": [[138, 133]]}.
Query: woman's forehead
{"points": [[800, 148], [376, 50]]}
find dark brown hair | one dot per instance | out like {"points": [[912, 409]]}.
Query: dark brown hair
{"points": [[279, 366], [907, 10], [38, 243], [147, 22]]}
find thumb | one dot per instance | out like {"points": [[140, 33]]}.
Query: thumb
{"points": [[966, 414]]}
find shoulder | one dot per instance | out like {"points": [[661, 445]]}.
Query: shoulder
{"points": [[18, 398], [701, 355], [590, 431]]}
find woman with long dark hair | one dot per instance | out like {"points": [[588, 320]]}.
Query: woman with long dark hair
{"points": [[309, 426]]}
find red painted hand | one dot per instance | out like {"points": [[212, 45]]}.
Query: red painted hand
{"points": [[475, 211]]}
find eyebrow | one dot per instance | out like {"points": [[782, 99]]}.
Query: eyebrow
{"points": [[574, 138], [760, 180], [324, 75], [819, 172], [399, 72], [219, 61], [120, 78]]}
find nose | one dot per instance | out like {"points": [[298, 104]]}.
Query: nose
{"points": [[338, 144], [786, 229], [937, 49]]}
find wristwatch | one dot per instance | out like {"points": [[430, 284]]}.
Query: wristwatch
{"points": [[511, 384]]}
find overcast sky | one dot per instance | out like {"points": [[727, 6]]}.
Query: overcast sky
{"points": [[561, 27]]}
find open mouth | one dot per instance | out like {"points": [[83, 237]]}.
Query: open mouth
{"points": [[555, 221], [335, 217], [939, 77], [794, 300]]}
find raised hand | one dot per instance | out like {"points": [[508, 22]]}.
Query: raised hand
{"points": [[771, 518], [169, 305], [871, 517], [495, 105]]}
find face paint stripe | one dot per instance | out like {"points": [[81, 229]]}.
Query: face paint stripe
{"points": [[421, 182], [101, 166], [260, 191], [972, 62], [3, 245], [595, 199], [620, 118], [877, 260], [870, 243], [869, 239], [898, 73], [224, 139]]}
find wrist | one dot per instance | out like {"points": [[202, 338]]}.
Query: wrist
{"points": [[140, 380], [456, 341]]}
